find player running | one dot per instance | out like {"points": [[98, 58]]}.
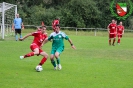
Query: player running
{"points": [[112, 30], [58, 45], [39, 37], [120, 32]]}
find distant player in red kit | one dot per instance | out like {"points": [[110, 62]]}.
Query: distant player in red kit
{"points": [[55, 22], [112, 30], [120, 32], [39, 37]]}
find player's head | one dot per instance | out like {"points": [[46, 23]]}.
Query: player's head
{"points": [[113, 21], [120, 23], [57, 28], [17, 15], [43, 29]]}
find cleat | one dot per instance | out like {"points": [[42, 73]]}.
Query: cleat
{"points": [[59, 66], [21, 57], [113, 44], [55, 68]]}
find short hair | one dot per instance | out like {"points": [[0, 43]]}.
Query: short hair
{"points": [[57, 25]]}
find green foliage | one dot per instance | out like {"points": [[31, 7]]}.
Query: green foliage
{"points": [[73, 13]]}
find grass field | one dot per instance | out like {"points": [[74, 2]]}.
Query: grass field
{"points": [[94, 64]]}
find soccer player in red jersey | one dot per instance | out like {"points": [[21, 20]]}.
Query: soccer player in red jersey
{"points": [[120, 32], [112, 27], [39, 37], [55, 22]]}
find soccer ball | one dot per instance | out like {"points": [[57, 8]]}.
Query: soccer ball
{"points": [[39, 68]]}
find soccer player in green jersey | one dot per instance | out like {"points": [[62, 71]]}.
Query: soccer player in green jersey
{"points": [[58, 46]]}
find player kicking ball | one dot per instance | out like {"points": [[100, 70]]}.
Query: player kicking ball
{"points": [[57, 46], [39, 37]]}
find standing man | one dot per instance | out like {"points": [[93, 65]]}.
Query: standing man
{"points": [[39, 37], [112, 27], [55, 22], [17, 25], [58, 45], [120, 32]]}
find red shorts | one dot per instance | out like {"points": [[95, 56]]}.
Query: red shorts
{"points": [[112, 35], [119, 36], [34, 46]]}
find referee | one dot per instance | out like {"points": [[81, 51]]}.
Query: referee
{"points": [[17, 25]]}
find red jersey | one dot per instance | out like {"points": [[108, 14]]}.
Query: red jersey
{"points": [[54, 23], [112, 28], [120, 29], [38, 38]]}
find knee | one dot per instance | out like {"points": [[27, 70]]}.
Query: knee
{"points": [[36, 52], [56, 55], [46, 55]]}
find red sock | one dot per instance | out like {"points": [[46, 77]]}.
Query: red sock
{"points": [[42, 61], [29, 54], [119, 40]]}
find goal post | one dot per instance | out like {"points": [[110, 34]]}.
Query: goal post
{"points": [[7, 14]]}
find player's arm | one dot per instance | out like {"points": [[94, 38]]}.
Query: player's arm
{"points": [[22, 24], [21, 39], [123, 30], [45, 41], [13, 25], [72, 45], [108, 29]]}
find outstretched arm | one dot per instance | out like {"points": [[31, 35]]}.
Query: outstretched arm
{"points": [[21, 39], [72, 45], [45, 41]]}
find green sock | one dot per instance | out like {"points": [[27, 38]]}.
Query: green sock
{"points": [[53, 63], [58, 60]]}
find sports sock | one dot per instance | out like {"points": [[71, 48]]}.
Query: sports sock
{"points": [[58, 60], [42, 61], [20, 36], [16, 37], [29, 54], [53, 63], [118, 41]]}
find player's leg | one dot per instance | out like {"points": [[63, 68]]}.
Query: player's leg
{"points": [[35, 50], [45, 56], [118, 41], [110, 39], [114, 39], [57, 54], [16, 37], [53, 61], [19, 32], [52, 57], [58, 60]]}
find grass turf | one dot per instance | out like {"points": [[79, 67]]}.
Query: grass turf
{"points": [[94, 64]]}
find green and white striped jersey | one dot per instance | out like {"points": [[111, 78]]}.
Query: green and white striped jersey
{"points": [[58, 39]]}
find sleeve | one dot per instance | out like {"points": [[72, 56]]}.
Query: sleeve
{"points": [[14, 21], [50, 37], [65, 36], [21, 20], [34, 33]]}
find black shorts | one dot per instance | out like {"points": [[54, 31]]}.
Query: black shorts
{"points": [[18, 31]]}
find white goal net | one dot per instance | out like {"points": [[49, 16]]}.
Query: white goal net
{"points": [[7, 14]]}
